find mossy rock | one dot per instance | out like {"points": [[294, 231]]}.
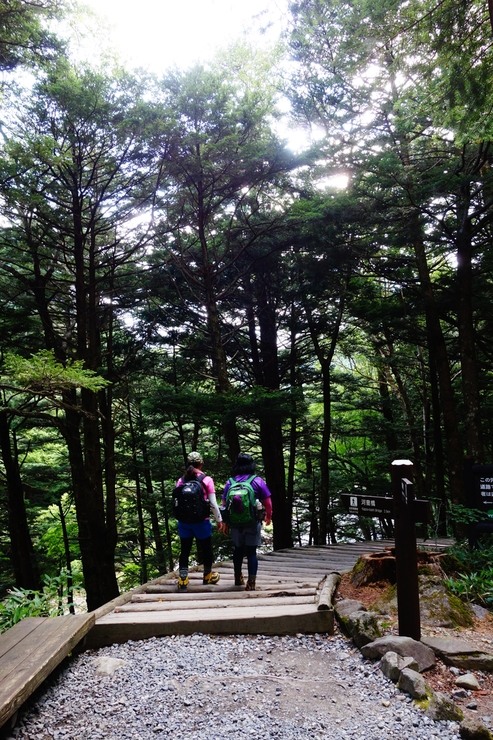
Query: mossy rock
{"points": [[451, 565], [438, 606], [361, 626]]}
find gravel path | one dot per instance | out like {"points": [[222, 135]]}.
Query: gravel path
{"points": [[226, 688]]}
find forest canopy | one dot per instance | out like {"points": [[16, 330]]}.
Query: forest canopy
{"points": [[174, 277]]}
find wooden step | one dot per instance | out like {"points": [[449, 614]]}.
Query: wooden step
{"points": [[31, 650], [265, 620], [224, 603], [234, 593]]}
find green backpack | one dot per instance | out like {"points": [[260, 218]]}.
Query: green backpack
{"points": [[240, 504]]}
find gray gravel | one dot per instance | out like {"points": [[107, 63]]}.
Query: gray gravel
{"points": [[201, 686]]}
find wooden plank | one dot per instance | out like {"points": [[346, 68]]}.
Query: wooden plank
{"points": [[266, 621], [271, 570], [297, 561], [26, 665], [17, 633], [291, 561], [267, 584], [155, 606], [279, 568], [335, 565], [237, 593], [123, 598]]}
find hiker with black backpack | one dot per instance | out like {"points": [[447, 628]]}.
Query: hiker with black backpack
{"points": [[246, 502], [193, 500]]}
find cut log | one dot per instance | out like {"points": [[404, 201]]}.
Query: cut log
{"points": [[379, 567]]}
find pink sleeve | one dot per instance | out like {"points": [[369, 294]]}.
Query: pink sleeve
{"points": [[208, 484]]}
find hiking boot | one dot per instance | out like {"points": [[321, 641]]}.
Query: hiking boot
{"points": [[210, 578], [239, 580], [250, 585], [182, 583]]}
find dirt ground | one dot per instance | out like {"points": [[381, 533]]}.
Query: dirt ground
{"points": [[440, 678]]}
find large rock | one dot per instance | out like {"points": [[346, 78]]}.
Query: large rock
{"points": [[468, 681], [348, 606], [472, 729], [107, 665], [413, 684], [392, 664], [460, 653], [438, 606], [361, 626], [405, 646], [441, 707]]}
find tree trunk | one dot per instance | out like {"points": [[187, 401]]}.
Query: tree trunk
{"points": [[271, 436], [325, 358], [465, 324], [437, 347], [68, 560], [150, 503], [24, 564], [138, 499], [97, 551], [219, 360], [169, 541]]}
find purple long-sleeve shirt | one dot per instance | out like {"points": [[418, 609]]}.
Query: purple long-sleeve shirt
{"points": [[261, 492]]}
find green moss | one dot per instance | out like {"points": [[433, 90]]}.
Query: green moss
{"points": [[451, 565], [426, 570], [464, 618], [386, 602], [424, 703], [440, 606], [343, 624], [358, 566]]}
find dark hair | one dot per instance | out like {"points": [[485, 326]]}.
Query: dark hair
{"points": [[244, 465], [190, 473]]}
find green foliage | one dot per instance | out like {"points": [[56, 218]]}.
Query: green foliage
{"points": [[476, 587], [24, 36], [43, 374], [474, 559], [458, 514], [475, 581], [23, 603]]}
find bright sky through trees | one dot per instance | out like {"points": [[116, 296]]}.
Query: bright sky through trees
{"points": [[157, 34]]}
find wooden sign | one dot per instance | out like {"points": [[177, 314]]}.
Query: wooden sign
{"points": [[383, 506]]}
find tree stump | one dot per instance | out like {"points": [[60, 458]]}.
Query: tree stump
{"points": [[378, 567], [374, 568]]}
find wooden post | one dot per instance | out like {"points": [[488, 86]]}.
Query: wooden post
{"points": [[406, 560]]}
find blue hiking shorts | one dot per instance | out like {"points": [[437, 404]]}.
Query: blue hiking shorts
{"points": [[200, 531]]}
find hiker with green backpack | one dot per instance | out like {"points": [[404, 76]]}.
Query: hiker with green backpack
{"points": [[246, 502]]}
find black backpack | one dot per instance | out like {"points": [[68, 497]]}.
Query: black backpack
{"points": [[189, 505]]}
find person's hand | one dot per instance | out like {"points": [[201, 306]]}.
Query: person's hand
{"points": [[222, 527], [268, 521]]}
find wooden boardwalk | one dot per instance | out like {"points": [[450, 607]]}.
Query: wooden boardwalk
{"points": [[295, 592], [30, 651], [288, 599]]}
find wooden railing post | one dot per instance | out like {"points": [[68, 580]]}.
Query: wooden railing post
{"points": [[406, 559]]}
